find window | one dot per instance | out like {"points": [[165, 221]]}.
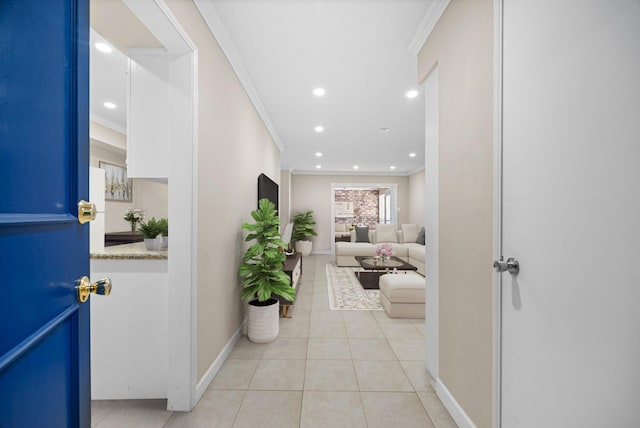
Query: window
{"points": [[384, 206]]}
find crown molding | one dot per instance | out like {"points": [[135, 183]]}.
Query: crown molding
{"points": [[431, 18], [415, 171], [219, 32], [101, 120], [360, 173]]}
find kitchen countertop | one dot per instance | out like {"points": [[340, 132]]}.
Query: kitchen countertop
{"points": [[135, 251]]}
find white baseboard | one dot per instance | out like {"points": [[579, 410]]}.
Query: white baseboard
{"points": [[455, 410], [322, 252], [215, 367]]}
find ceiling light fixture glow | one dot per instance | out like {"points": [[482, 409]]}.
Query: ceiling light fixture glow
{"points": [[109, 105], [318, 154], [412, 155], [411, 94], [318, 166], [103, 47], [383, 130], [319, 128], [392, 167], [319, 92], [355, 167]]}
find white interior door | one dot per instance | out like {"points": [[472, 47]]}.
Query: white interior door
{"points": [[571, 214]]}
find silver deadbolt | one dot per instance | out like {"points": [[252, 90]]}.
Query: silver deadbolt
{"points": [[511, 265]]}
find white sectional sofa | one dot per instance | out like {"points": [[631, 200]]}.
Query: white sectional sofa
{"points": [[410, 252]]}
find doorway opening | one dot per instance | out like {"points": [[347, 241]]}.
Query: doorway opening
{"points": [[159, 109], [361, 204]]}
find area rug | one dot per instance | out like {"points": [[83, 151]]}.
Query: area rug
{"points": [[346, 293]]}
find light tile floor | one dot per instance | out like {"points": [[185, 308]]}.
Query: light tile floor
{"points": [[326, 369]]}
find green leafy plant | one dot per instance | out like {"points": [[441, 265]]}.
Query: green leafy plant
{"points": [[303, 226], [151, 229], [261, 270], [164, 226]]}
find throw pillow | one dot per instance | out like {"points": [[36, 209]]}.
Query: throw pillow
{"points": [[362, 233], [386, 233], [410, 232], [421, 237]]}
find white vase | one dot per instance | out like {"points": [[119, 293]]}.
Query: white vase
{"points": [[164, 243], [152, 244], [303, 247], [263, 322]]}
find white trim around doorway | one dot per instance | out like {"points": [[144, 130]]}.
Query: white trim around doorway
{"points": [[182, 264], [394, 203], [432, 223]]}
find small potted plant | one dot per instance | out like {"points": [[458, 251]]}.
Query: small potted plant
{"points": [[150, 230], [134, 216], [302, 230], [262, 274], [164, 230]]}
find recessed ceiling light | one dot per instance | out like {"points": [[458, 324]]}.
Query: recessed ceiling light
{"points": [[412, 155], [411, 94], [318, 166], [318, 154], [384, 129], [319, 128], [109, 105], [319, 92], [392, 167], [103, 47], [355, 167]]}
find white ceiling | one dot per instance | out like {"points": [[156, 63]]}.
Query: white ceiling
{"points": [[358, 50], [107, 82]]}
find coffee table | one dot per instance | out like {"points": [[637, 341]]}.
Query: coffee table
{"points": [[373, 269]]}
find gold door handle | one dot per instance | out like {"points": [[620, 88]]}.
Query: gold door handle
{"points": [[86, 212], [85, 288]]}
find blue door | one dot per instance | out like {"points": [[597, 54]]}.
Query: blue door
{"points": [[44, 331]]}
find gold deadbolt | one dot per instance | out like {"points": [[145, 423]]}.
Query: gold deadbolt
{"points": [[86, 212], [85, 288]]}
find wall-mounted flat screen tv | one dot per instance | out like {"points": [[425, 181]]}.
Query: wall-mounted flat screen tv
{"points": [[267, 188]]}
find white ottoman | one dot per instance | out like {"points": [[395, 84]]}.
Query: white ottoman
{"points": [[402, 295]]}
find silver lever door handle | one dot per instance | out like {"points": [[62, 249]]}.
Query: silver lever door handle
{"points": [[511, 265]]}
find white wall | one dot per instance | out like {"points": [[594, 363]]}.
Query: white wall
{"points": [[416, 198]]}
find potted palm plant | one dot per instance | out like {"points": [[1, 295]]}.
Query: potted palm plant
{"points": [[262, 274], [302, 230], [150, 230]]}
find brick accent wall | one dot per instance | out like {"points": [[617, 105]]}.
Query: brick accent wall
{"points": [[365, 206]]}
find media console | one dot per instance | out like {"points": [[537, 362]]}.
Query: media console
{"points": [[293, 268]]}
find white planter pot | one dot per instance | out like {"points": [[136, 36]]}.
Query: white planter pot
{"points": [[263, 322], [303, 247], [152, 244], [164, 243]]}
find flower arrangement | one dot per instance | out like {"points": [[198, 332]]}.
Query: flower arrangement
{"points": [[134, 216], [384, 251]]}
